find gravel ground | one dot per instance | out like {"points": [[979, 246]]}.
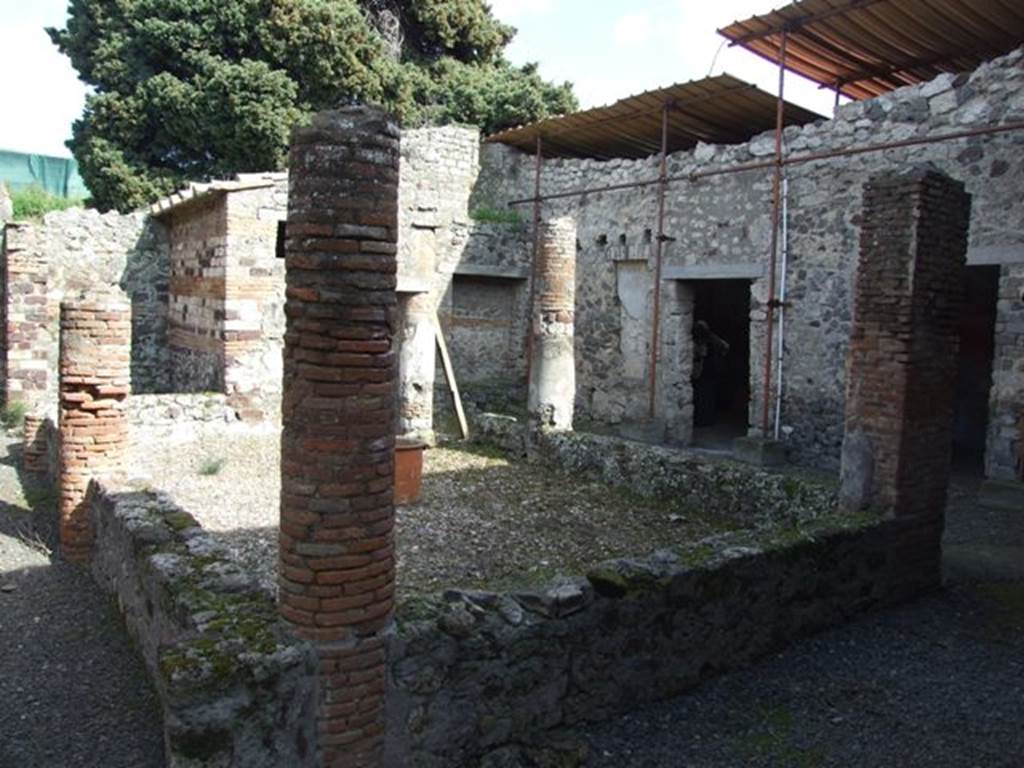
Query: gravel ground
{"points": [[938, 683], [482, 520], [72, 689]]}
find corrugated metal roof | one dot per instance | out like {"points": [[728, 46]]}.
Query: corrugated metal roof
{"points": [[864, 48], [715, 110], [200, 190]]}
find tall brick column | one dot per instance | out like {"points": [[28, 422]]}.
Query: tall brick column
{"points": [[902, 364], [552, 362], [337, 445], [95, 381]]}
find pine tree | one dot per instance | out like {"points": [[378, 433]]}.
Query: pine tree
{"points": [[195, 89]]}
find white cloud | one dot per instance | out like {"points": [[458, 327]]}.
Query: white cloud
{"points": [[632, 29]]}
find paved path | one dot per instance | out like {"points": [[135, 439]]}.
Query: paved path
{"points": [[73, 693]]}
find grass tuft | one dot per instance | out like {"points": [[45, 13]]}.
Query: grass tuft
{"points": [[35, 202], [495, 216], [13, 415], [212, 466]]}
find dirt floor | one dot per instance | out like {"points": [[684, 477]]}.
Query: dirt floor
{"points": [[483, 520]]}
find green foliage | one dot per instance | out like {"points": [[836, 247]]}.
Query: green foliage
{"points": [[194, 89], [13, 415], [495, 215], [212, 466], [34, 202]]}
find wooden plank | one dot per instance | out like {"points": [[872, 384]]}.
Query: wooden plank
{"points": [[449, 374]]}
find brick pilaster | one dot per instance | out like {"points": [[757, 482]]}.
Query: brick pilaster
{"points": [[901, 369], [26, 318], [552, 362], [95, 381], [337, 446]]}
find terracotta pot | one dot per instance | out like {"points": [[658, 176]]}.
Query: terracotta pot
{"points": [[408, 470]]}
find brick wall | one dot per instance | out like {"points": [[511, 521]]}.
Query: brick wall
{"points": [[27, 325], [337, 566], [198, 255], [901, 370]]}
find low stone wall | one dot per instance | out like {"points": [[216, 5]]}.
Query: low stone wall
{"points": [[180, 410], [732, 489], [480, 678], [493, 679], [235, 687]]}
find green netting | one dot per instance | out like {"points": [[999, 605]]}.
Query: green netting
{"points": [[57, 175]]}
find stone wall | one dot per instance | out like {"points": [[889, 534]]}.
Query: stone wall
{"points": [[254, 300], [177, 411], [721, 227], [496, 677], [83, 250], [474, 272], [1006, 406], [235, 687]]}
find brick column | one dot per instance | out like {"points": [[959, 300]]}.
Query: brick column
{"points": [[552, 362], [901, 369], [337, 446], [95, 381], [417, 366]]}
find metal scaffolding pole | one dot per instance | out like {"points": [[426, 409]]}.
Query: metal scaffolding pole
{"points": [[787, 161], [766, 393], [659, 250]]}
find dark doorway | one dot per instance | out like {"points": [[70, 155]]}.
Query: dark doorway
{"points": [[974, 376], [721, 364]]}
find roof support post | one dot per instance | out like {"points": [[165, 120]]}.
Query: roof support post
{"points": [[659, 250], [766, 394]]}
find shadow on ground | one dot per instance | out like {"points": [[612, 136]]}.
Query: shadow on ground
{"points": [[937, 683], [73, 691]]}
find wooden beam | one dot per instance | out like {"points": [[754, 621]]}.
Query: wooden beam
{"points": [[449, 374]]}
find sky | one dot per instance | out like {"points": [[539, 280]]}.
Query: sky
{"points": [[608, 49]]}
